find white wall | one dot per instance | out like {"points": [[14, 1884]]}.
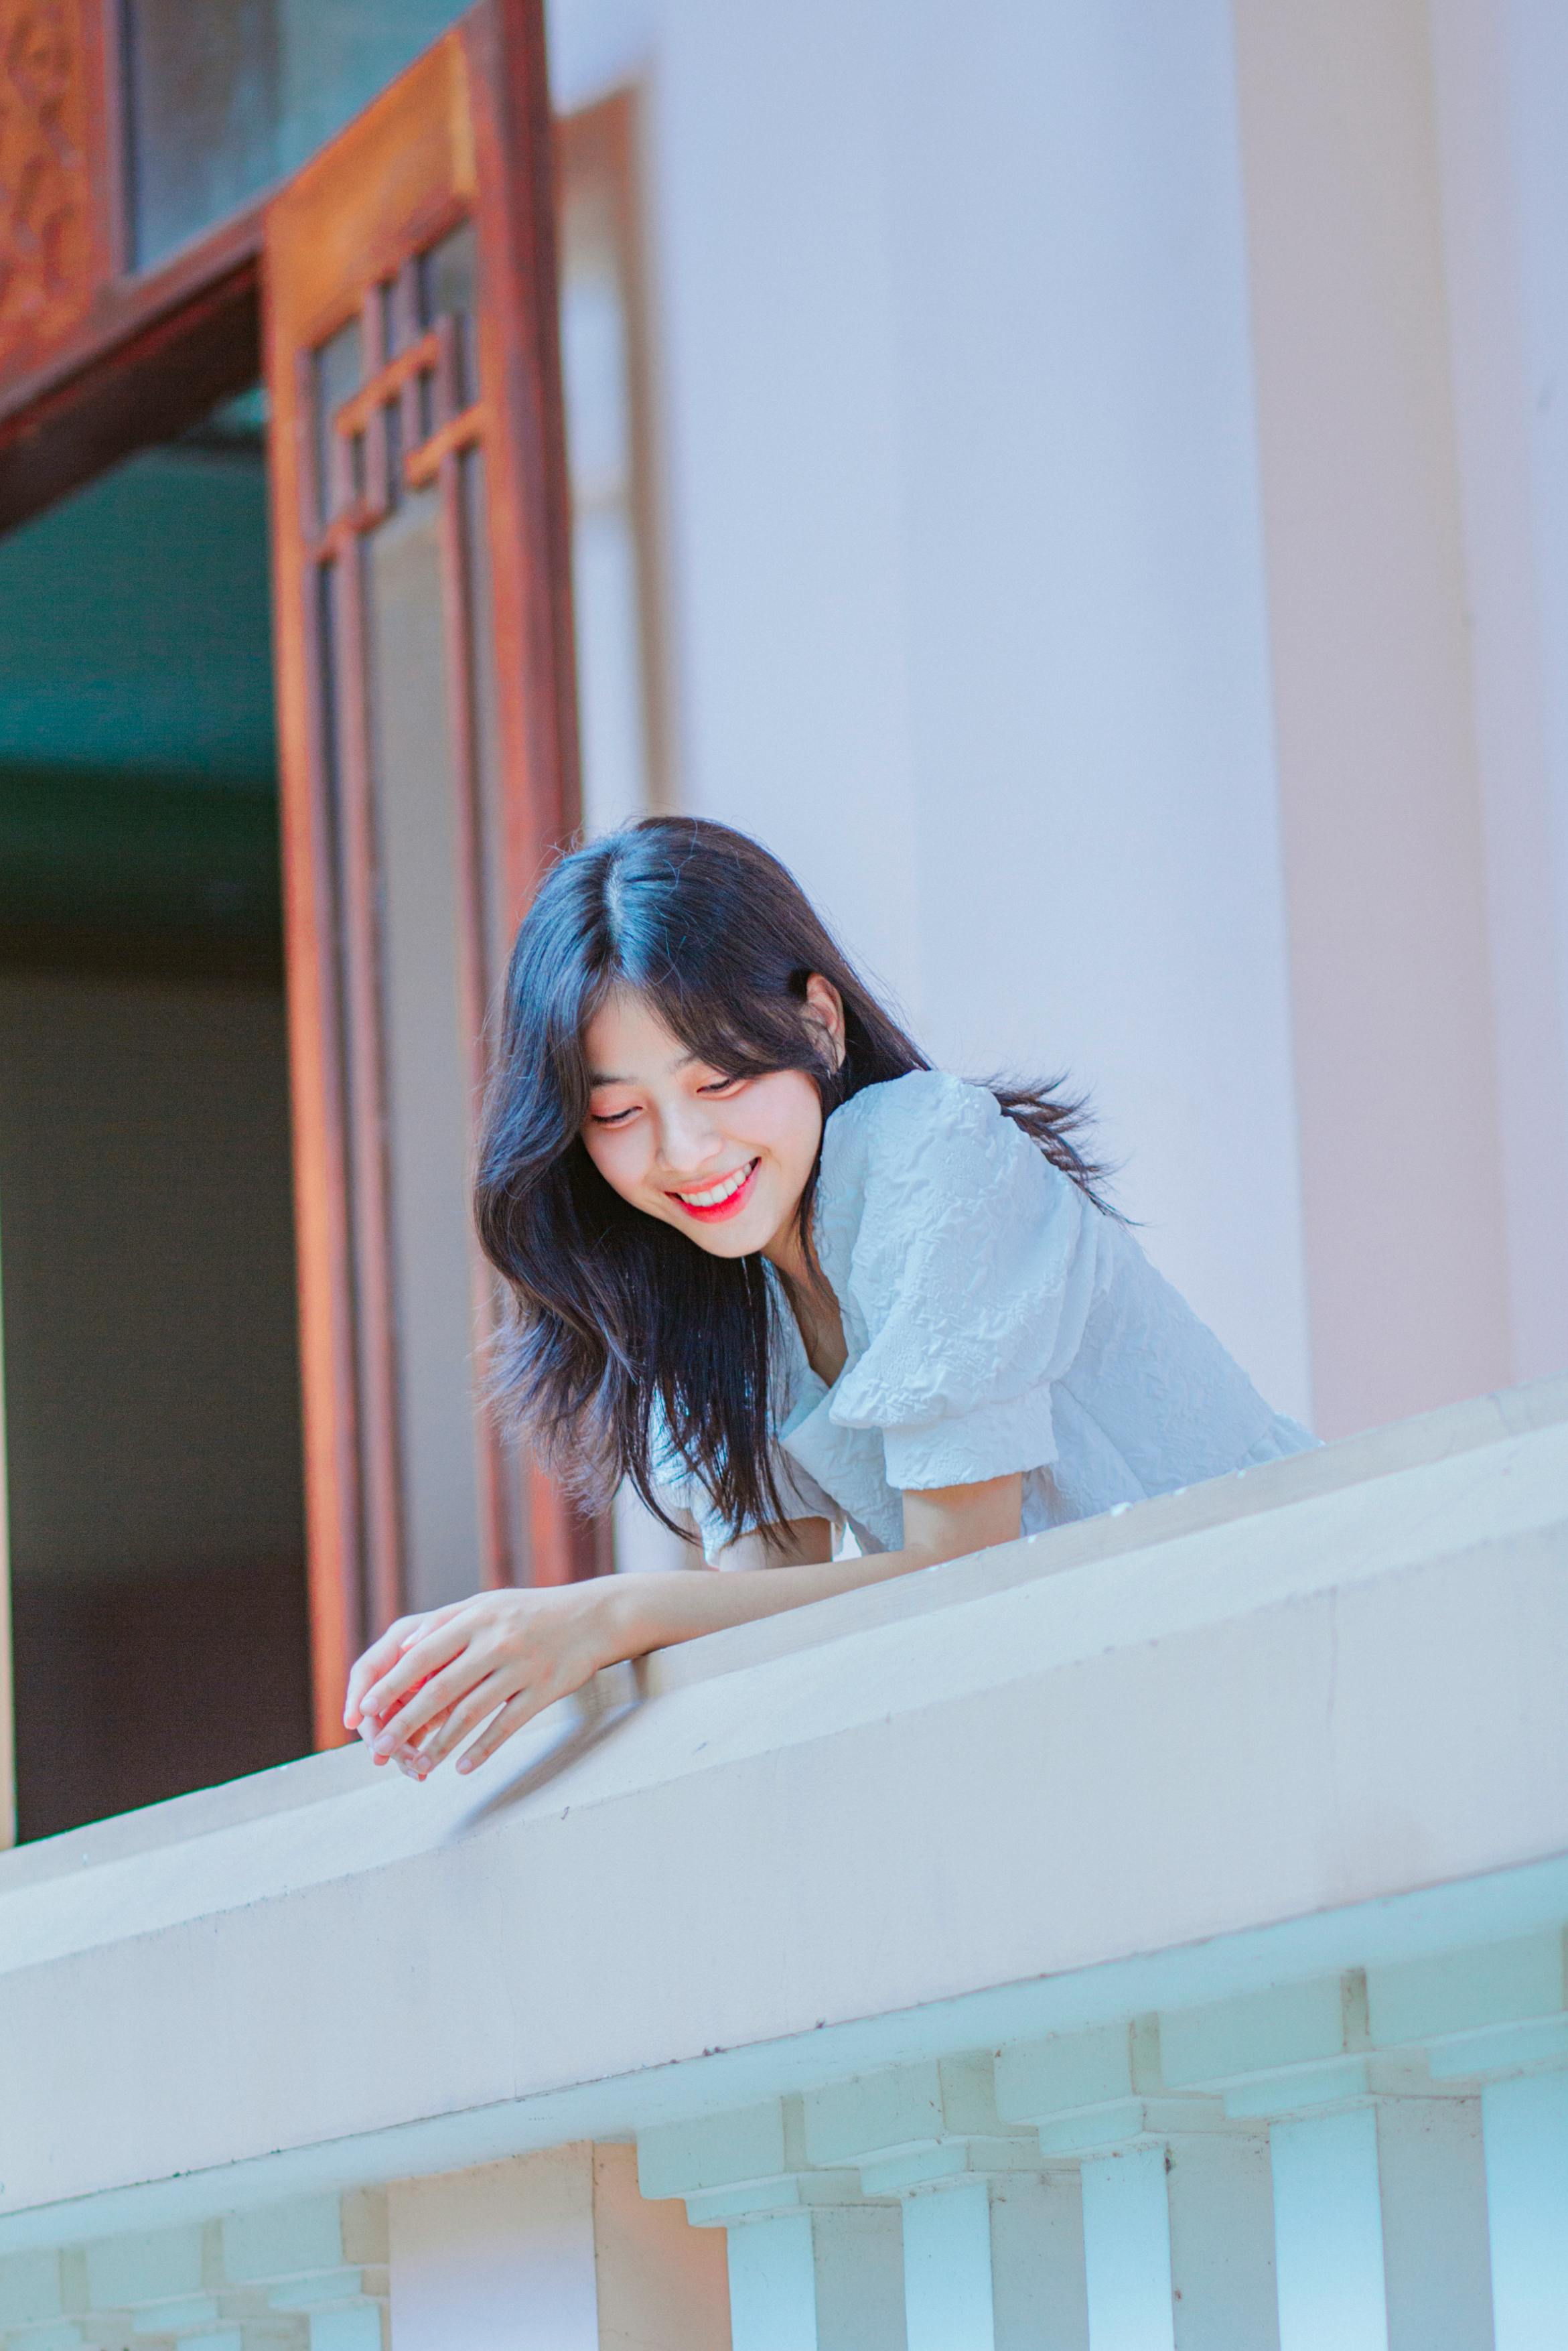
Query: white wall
{"points": [[967, 555], [1093, 776], [1376, 717], [1501, 85]]}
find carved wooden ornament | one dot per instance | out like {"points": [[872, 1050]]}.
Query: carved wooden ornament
{"points": [[49, 258]]}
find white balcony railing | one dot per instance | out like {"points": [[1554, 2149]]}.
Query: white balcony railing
{"points": [[1148, 1938]]}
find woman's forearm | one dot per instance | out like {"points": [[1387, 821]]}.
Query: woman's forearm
{"points": [[653, 1612]]}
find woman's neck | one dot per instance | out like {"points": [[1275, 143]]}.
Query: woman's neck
{"points": [[811, 1301]]}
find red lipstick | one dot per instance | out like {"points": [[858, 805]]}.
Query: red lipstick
{"points": [[722, 1208]]}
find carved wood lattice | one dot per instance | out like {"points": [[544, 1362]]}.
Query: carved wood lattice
{"points": [[47, 256]]}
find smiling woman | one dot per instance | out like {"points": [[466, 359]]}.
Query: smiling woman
{"points": [[786, 1279], [682, 1143]]}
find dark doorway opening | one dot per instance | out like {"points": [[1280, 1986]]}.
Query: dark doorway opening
{"points": [[146, 1225]]}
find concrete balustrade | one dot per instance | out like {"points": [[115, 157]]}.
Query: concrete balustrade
{"points": [[1145, 1939], [306, 2275]]}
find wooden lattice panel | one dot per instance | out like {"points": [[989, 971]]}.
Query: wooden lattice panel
{"points": [[51, 245]]}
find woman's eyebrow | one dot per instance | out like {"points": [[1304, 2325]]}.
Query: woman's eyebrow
{"points": [[603, 1078]]}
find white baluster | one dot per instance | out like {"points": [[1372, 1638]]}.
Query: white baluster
{"points": [[1177, 2235], [819, 2280], [1177, 2246], [948, 2301], [815, 2265], [975, 2263], [1526, 2136], [1328, 2233]]}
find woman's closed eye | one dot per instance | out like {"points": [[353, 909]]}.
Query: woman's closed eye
{"points": [[721, 1085], [613, 1117]]}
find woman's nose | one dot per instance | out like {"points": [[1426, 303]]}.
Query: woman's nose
{"points": [[687, 1139]]}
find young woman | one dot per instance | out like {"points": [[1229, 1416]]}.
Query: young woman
{"points": [[788, 1279]]}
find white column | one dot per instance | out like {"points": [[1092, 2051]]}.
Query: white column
{"points": [[1381, 2227], [994, 2262], [1328, 2233], [1127, 2252], [1177, 2246], [822, 2278], [815, 2264], [1039, 2292], [1526, 2136], [947, 2297], [972, 2271], [1436, 2269], [1178, 2234]]}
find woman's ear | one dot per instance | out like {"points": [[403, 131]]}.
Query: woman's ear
{"points": [[825, 1010]]}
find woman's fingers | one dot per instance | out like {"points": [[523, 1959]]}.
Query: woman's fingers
{"points": [[369, 1668], [512, 1717], [435, 1649], [468, 1715], [434, 1697], [410, 1759], [420, 1625]]}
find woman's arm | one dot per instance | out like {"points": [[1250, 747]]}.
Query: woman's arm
{"points": [[500, 1658], [801, 1542]]}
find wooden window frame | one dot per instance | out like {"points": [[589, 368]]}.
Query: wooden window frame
{"points": [[137, 356]]}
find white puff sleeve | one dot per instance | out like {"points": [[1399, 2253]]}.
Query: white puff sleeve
{"points": [[968, 1280]]}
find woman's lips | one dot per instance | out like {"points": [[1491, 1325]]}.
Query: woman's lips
{"points": [[722, 1208]]}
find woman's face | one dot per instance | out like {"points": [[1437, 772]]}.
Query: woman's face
{"points": [[723, 1159]]}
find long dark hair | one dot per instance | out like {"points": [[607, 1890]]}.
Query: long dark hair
{"points": [[616, 1320]]}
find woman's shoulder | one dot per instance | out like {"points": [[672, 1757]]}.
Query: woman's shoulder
{"points": [[927, 1129], [932, 1164], [923, 1102]]}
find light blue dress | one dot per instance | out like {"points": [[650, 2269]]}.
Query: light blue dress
{"points": [[994, 1321]]}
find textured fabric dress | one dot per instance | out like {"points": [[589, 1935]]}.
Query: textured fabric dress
{"points": [[994, 1321]]}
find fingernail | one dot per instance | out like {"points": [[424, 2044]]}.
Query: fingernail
{"points": [[463, 1764]]}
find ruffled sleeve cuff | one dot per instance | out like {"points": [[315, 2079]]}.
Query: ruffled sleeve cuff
{"points": [[992, 1440]]}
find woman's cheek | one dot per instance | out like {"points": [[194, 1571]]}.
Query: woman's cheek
{"points": [[788, 1117], [600, 1147], [630, 1164]]}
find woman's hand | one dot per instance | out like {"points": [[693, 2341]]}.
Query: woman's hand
{"points": [[500, 1658], [496, 1660]]}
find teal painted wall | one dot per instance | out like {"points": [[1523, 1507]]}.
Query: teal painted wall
{"points": [[137, 741], [135, 628]]}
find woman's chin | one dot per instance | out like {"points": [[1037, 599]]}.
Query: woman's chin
{"points": [[737, 1235], [744, 1237]]}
